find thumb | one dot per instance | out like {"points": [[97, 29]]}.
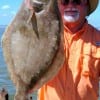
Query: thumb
{"points": [[28, 4]]}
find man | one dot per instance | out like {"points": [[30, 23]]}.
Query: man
{"points": [[78, 78]]}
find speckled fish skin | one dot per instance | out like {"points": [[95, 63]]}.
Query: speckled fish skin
{"points": [[33, 58]]}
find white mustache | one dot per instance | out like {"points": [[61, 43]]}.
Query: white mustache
{"points": [[71, 18]]}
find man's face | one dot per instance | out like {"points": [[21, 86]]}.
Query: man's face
{"points": [[73, 11]]}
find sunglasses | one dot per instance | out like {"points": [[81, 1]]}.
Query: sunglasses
{"points": [[77, 2]]}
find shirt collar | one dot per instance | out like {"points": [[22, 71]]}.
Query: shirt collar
{"points": [[82, 29], [78, 33]]}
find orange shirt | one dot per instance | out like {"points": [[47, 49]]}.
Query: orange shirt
{"points": [[78, 78]]}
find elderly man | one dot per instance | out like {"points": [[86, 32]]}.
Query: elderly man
{"points": [[78, 78]]}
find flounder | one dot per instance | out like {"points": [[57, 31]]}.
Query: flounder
{"points": [[33, 46]]}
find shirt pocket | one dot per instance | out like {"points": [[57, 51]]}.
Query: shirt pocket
{"points": [[90, 60], [96, 52], [88, 83], [89, 66]]}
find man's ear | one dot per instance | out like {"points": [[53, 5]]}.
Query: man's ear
{"points": [[88, 7]]}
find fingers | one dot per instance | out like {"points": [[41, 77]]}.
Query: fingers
{"points": [[28, 4]]}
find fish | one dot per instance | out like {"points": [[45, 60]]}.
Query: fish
{"points": [[33, 46]]}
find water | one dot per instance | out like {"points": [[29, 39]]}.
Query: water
{"points": [[4, 75]]}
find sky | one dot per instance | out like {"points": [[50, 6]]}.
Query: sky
{"points": [[8, 10]]}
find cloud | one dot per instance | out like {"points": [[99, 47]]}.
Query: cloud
{"points": [[5, 7]]}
